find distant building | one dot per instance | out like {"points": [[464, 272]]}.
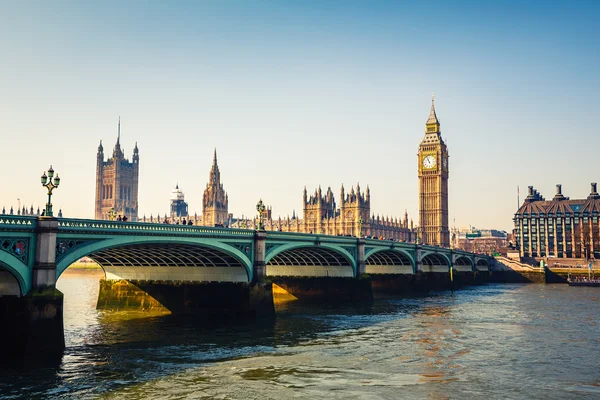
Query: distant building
{"points": [[486, 241], [560, 228], [117, 182], [322, 215], [214, 204], [179, 208], [267, 213], [215, 200]]}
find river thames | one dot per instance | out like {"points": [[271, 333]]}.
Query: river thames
{"points": [[509, 341]]}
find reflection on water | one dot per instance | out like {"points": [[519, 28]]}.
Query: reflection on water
{"points": [[499, 341]]}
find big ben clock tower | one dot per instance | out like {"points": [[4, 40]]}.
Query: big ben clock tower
{"points": [[433, 185]]}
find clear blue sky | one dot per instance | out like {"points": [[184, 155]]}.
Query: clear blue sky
{"points": [[295, 93]]}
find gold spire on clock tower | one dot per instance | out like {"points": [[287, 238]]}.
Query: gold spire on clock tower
{"points": [[433, 184]]}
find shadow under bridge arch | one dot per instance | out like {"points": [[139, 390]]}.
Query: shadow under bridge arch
{"points": [[463, 264], [173, 262], [14, 276], [482, 265], [389, 262], [311, 261], [435, 262]]}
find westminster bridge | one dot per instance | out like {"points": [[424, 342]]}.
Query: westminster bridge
{"points": [[197, 269]]}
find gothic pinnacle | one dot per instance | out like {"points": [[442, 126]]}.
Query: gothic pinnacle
{"points": [[433, 119]]}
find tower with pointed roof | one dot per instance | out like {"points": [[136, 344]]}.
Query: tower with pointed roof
{"points": [[433, 184], [117, 182], [179, 207], [215, 200]]}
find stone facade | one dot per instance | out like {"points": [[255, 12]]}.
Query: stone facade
{"points": [[488, 241], [560, 228], [117, 183], [433, 185], [353, 217]]}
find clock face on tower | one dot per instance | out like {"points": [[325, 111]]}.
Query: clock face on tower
{"points": [[445, 163], [429, 162]]}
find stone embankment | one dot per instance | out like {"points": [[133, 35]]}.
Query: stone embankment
{"points": [[508, 270]]}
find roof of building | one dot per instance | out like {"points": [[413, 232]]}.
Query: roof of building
{"points": [[535, 204], [177, 194], [433, 119]]}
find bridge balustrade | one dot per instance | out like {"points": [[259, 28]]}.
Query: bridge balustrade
{"points": [[18, 222], [81, 225]]}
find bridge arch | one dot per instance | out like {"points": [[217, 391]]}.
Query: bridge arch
{"points": [[463, 263], [482, 264], [463, 260], [310, 260], [16, 270], [390, 261], [168, 258], [435, 262]]}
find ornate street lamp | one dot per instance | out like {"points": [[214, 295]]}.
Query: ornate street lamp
{"points": [[260, 207], [50, 184]]}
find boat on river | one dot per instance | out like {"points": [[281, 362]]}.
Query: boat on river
{"points": [[583, 280]]}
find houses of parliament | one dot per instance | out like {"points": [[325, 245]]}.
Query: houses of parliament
{"points": [[117, 194]]}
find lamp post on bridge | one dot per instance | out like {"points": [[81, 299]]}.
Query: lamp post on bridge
{"points": [[360, 225], [260, 207], [50, 184]]}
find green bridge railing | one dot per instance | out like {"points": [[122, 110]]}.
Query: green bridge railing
{"points": [[18, 222], [87, 225]]}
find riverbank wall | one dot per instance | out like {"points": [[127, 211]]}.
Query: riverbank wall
{"points": [[505, 270]]}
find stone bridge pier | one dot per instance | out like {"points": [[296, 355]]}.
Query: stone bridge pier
{"points": [[32, 324]]}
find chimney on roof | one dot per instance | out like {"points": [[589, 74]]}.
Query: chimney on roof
{"points": [[594, 194], [559, 195]]}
